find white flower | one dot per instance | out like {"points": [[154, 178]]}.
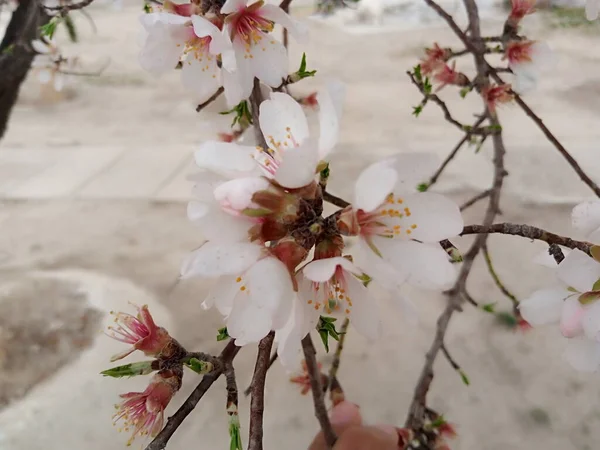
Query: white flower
{"points": [[528, 60], [48, 61], [586, 219], [257, 53], [292, 156], [400, 228], [591, 9], [254, 290], [574, 305], [197, 42]]}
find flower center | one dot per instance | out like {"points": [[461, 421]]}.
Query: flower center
{"points": [[389, 220], [332, 295]]}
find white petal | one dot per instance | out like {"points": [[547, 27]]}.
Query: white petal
{"points": [[237, 87], [435, 216], [44, 76], [222, 295], [282, 120], [163, 47], [40, 46], [364, 313], [571, 320], [268, 60], [204, 27], [412, 169], [247, 323], [585, 217], [231, 6], [330, 101], [298, 30], [217, 225], [298, 165], [238, 192], [579, 271], [203, 77], [591, 321], [226, 158], [381, 271], [583, 354], [544, 306], [373, 186], [591, 9], [59, 81], [214, 259], [322, 270], [524, 81], [424, 265], [205, 184]]}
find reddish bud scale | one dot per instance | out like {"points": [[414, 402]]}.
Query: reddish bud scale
{"points": [[495, 95], [518, 51]]}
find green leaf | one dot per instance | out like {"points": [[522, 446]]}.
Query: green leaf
{"points": [[507, 319], [325, 338], [595, 252], [130, 370], [71, 30], [427, 87], [422, 187], [417, 110], [222, 334], [235, 442], [198, 366], [9, 49], [489, 307], [464, 377], [303, 63], [147, 8], [48, 29], [596, 286], [589, 297], [465, 91], [417, 73], [438, 422]]}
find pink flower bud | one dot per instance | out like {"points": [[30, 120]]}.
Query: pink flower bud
{"points": [[144, 411], [494, 95], [310, 100], [448, 75], [520, 8], [518, 52], [140, 332]]}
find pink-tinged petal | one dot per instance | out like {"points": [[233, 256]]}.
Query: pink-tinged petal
{"points": [[373, 186], [412, 169], [583, 354], [203, 28], [268, 60], [282, 121], [423, 265], [544, 306], [218, 225], [322, 270], [215, 259], [201, 76], [586, 217], [579, 271], [330, 101], [231, 6], [122, 354], [298, 30], [572, 317], [226, 158], [163, 45], [364, 312], [237, 193], [298, 165]]}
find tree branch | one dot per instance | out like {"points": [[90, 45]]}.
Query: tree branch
{"points": [[175, 421], [497, 280], [257, 404], [337, 201], [212, 98], [337, 356], [475, 199], [317, 391], [256, 99]]}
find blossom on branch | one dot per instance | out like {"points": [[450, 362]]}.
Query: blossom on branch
{"points": [[520, 9], [527, 60], [447, 75], [494, 95], [435, 60]]}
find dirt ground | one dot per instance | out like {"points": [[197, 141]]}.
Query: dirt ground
{"points": [[66, 262]]}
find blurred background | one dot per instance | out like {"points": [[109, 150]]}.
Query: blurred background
{"points": [[93, 196]]}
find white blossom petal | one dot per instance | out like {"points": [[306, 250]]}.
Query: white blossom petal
{"points": [[591, 321], [44, 76], [373, 186], [202, 76], [247, 323], [330, 101], [218, 42], [40, 46], [579, 271], [59, 81], [226, 158], [282, 120], [222, 295], [585, 217], [163, 45], [231, 6], [298, 30], [583, 354], [214, 259], [298, 165], [238, 192], [544, 306], [268, 60], [237, 87], [270, 288], [364, 312], [217, 225], [412, 169], [321, 270], [571, 320]]}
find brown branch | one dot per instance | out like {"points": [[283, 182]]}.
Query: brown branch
{"points": [[317, 390], [256, 99], [257, 404], [475, 199], [65, 9], [337, 356], [530, 232], [274, 357], [212, 98], [175, 421], [490, 266], [337, 201]]}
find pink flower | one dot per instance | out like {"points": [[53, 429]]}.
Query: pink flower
{"points": [[494, 95], [303, 380], [448, 75], [140, 332], [521, 8], [435, 60], [144, 411]]}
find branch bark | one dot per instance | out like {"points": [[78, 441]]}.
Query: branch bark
{"points": [[257, 404]]}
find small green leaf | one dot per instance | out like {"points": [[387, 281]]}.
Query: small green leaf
{"points": [[147, 8], [455, 255], [48, 29], [464, 377], [507, 319], [595, 252], [589, 297], [438, 422], [235, 442], [303, 63], [427, 87], [222, 334], [596, 286], [489, 307], [417, 73], [130, 370], [71, 30], [422, 187], [417, 110], [198, 366], [465, 91], [325, 338], [364, 279]]}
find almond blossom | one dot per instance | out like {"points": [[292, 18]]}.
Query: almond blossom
{"points": [[257, 52], [447, 75], [574, 306], [48, 61], [527, 59], [520, 9], [495, 95], [400, 228], [435, 60]]}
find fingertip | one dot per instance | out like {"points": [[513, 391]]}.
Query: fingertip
{"points": [[346, 413]]}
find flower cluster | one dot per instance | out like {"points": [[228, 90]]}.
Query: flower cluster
{"points": [[435, 65], [226, 48], [259, 209], [573, 304]]}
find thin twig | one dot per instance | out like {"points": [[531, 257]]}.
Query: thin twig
{"points": [[257, 404], [530, 232], [496, 278], [65, 9], [232, 407], [175, 421], [256, 99], [310, 356], [337, 201], [475, 199], [211, 99], [337, 356], [274, 357]]}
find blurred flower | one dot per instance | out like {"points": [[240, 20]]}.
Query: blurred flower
{"points": [[435, 60], [527, 60], [494, 95], [48, 61], [586, 219], [303, 380], [520, 8], [445, 75]]}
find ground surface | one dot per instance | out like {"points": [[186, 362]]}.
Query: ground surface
{"points": [[93, 197]]}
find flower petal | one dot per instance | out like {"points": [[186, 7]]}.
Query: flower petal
{"points": [[298, 165], [222, 295], [40, 46], [364, 313], [282, 120], [268, 60], [298, 30], [373, 186], [163, 45], [201, 75], [247, 323], [592, 7], [591, 321], [412, 169], [330, 101], [321, 270], [237, 86], [579, 271], [423, 265], [571, 320], [585, 217], [214, 259], [544, 306], [237, 193], [226, 158], [583, 354], [217, 225], [218, 41], [231, 6]]}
